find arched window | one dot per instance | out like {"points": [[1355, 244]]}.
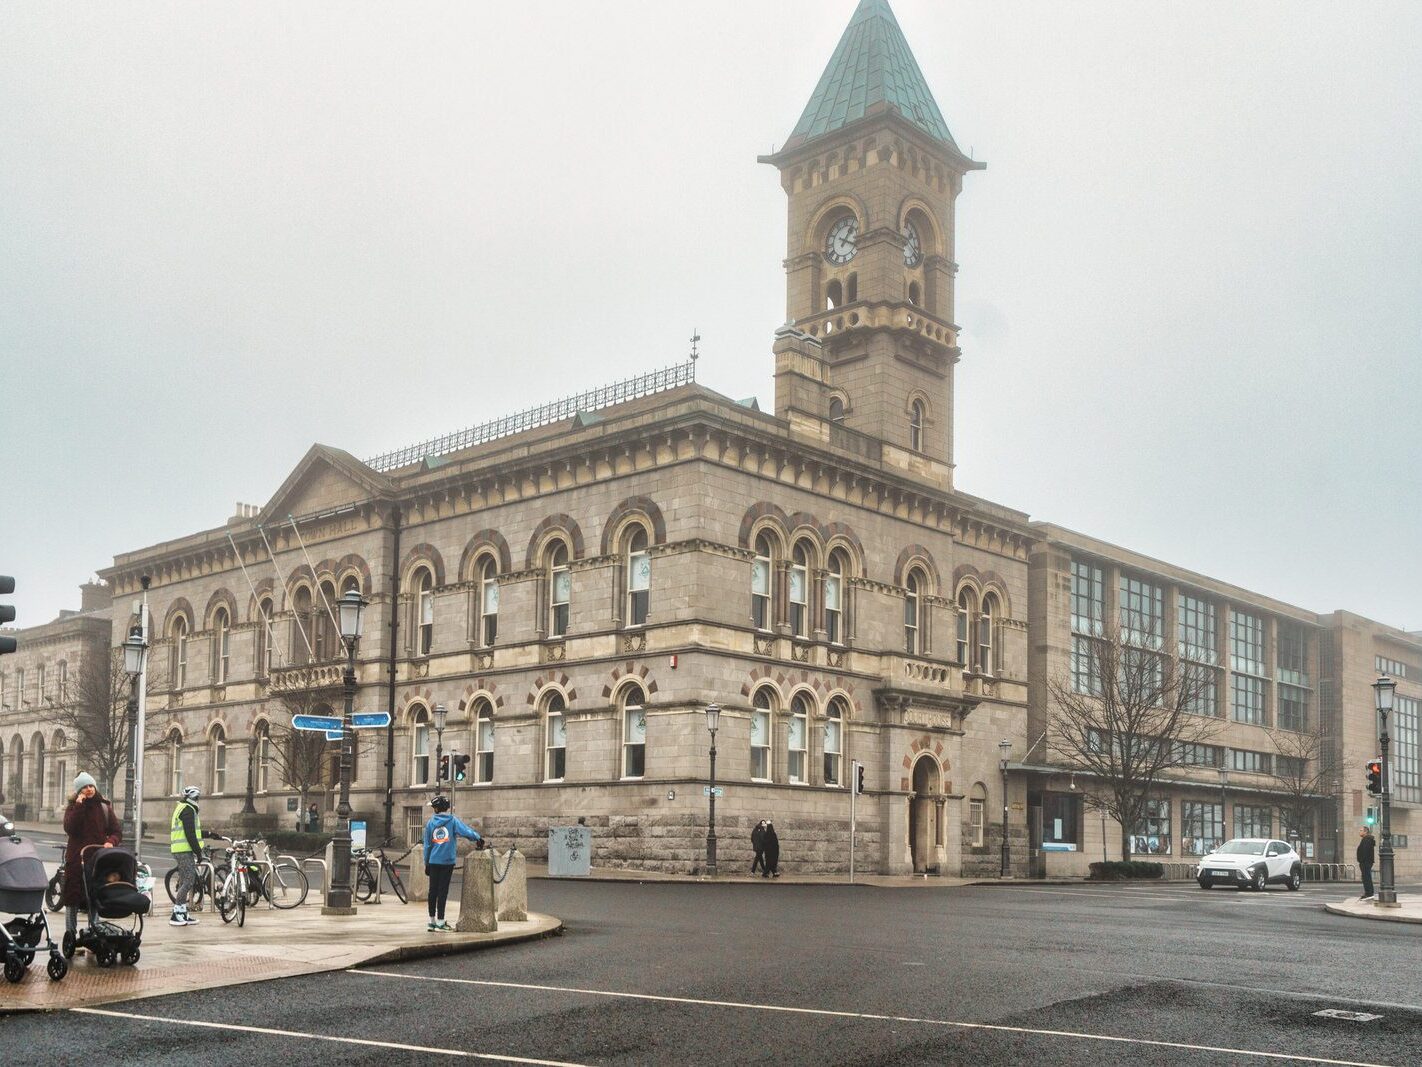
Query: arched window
{"points": [[488, 601], [328, 635], [420, 745], [916, 426], [836, 410], [762, 568], [423, 586], [800, 589], [555, 734], [763, 703], [851, 289], [40, 673], [967, 626], [62, 684], [483, 741], [560, 589], [174, 746], [834, 596], [301, 649], [264, 756], [834, 295], [835, 716], [989, 656], [179, 634], [221, 645], [265, 639], [350, 584], [914, 294], [639, 576], [634, 733], [797, 739], [913, 632], [977, 815], [219, 760]]}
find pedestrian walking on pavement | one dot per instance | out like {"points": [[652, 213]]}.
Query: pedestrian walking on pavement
{"points": [[758, 843], [89, 820], [440, 834], [1367, 848], [185, 834], [772, 851]]}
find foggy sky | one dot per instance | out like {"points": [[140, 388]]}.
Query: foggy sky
{"points": [[1189, 290]]}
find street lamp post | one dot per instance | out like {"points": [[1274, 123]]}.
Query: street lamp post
{"points": [[713, 719], [1224, 781], [338, 899], [1385, 689], [135, 652], [1004, 746], [441, 716]]}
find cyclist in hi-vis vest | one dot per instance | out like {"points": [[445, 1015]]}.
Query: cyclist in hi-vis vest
{"points": [[185, 834]]}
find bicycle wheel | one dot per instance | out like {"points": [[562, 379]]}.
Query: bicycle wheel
{"points": [[396, 884], [285, 885], [364, 882], [241, 881], [54, 892], [226, 897]]}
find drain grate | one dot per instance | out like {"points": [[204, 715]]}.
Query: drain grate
{"points": [[1346, 1016]]}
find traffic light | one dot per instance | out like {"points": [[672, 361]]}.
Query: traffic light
{"points": [[461, 766], [1375, 777], [444, 768], [859, 777], [7, 613], [1371, 818]]}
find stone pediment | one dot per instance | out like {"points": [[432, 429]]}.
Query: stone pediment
{"points": [[325, 479]]}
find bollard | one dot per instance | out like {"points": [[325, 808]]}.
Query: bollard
{"points": [[417, 886], [326, 876], [511, 895], [476, 899]]}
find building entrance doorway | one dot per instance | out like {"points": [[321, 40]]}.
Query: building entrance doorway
{"points": [[925, 810]]}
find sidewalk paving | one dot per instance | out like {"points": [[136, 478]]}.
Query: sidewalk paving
{"points": [[1409, 909], [272, 944]]}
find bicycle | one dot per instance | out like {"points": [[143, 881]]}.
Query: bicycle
{"points": [[208, 876], [369, 864], [251, 876], [232, 891]]}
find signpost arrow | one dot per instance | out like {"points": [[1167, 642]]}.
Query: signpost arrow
{"points": [[316, 722], [706, 791], [370, 720], [333, 735]]}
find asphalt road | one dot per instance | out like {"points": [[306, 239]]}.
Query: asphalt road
{"points": [[679, 973]]}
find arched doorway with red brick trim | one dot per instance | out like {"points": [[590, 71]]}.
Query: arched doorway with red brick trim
{"points": [[926, 814]]}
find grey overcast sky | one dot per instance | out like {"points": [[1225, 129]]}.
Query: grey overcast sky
{"points": [[1190, 277]]}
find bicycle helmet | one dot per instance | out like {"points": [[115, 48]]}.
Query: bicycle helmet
{"points": [[440, 803], [192, 792]]}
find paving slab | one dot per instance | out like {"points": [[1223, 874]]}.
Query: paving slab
{"points": [[272, 944], [1408, 910]]}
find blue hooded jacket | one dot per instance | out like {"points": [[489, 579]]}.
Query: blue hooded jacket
{"points": [[440, 833]]}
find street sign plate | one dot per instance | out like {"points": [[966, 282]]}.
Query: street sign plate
{"points": [[315, 722], [333, 735], [370, 720], [706, 791]]}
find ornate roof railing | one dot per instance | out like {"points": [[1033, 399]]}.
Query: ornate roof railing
{"points": [[657, 381]]}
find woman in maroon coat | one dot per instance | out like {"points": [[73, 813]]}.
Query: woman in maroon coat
{"points": [[88, 820]]}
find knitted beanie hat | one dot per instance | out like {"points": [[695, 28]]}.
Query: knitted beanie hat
{"points": [[82, 779]]}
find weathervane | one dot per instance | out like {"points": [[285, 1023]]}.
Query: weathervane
{"points": [[695, 337]]}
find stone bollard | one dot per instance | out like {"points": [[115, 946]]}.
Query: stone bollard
{"points": [[511, 895], [476, 900], [417, 886]]}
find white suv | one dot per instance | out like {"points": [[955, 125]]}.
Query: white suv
{"points": [[1251, 861]]}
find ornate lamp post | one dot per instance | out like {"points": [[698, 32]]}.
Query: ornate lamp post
{"points": [[338, 900], [1385, 689], [135, 653], [441, 716], [713, 720], [1005, 747]]}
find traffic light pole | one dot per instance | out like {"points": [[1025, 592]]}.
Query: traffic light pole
{"points": [[1387, 891], [853, 795]]}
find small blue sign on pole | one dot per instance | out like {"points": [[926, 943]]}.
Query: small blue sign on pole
{"points": [[370, 720], [315, 722], [333, 735]]}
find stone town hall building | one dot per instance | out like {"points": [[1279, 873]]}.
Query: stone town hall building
{"points": [[576, 584]]}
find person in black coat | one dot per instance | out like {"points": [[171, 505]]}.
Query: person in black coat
{"points": [[1366, 849], [771, 844], [758, 843]]}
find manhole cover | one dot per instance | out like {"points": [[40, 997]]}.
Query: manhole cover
{"points": [[1347, 1016]]}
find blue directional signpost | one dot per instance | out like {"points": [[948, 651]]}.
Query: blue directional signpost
{"points": [[323, 723], [370, 720], [330, 725]]}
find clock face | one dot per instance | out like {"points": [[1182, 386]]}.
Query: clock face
{"points": [[839, 245], [913, 248]]}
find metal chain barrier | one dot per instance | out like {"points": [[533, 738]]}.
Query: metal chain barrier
{"points": [[507, 864]]}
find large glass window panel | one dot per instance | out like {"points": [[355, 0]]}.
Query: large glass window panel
{"points": [[634, 740], [796, 740], [1403, 759], [1201, 827], [1293, 707], [1088, 598], [484, 742], [1291, 659], [1142, 613], [1247, 699], [1246, 643], [1152, 833], [1199, 636], [834, 741], [760, 745], [1085, 666], [1253, 821]]}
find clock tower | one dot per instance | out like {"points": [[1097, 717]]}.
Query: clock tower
{"points": [[872, 175]]}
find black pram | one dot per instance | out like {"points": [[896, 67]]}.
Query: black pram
{"points": [[111, 890], [22, 886]]}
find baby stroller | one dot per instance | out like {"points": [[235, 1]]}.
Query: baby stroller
{"points": [[22, 886], [111, 890]]}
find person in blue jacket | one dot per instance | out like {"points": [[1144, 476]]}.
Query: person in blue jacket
{"points": [[440, 834]]}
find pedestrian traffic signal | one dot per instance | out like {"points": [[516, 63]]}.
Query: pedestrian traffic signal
{"points": [[1375, 777], [444, 768], [461, 766], [7, 614], [1371, 818], [859, 777]]}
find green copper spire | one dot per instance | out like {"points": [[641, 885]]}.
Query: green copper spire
{"points": [[871, 72]]}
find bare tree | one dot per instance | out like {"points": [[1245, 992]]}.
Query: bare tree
{"points": [[1125, 713], [1305, 776], [96, 714]]}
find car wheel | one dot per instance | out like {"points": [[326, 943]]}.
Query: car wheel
{"points": [[1205, 883], [1260, 880], [1295, 878]]}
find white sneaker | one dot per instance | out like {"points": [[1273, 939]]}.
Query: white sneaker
{"points": [[188, 920], [177, 919]]}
